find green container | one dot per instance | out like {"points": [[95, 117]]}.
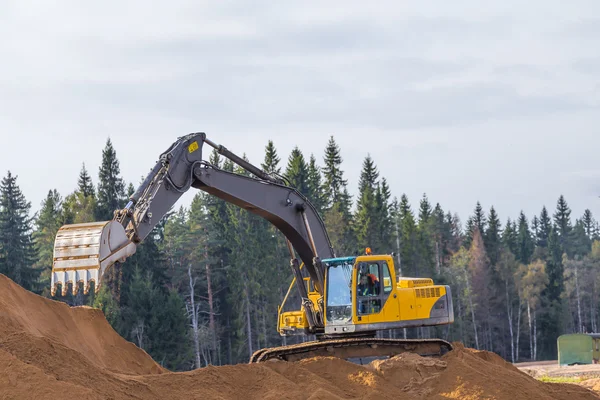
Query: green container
{"points": [[575, 349]]}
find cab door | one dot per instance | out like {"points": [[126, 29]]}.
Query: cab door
{"points": [[374, 301]]}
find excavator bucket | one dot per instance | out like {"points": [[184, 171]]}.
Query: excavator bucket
{"points": [[83, 252]]}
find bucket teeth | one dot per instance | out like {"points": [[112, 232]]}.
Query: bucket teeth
{"points": [[74, 277]]}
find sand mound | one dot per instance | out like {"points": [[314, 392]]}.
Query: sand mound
{"points": [[48, 350]]}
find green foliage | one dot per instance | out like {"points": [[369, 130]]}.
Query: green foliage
{"points": [[316, 192], [544, 228], [84, 184], [271, 162], [111, 187], [562, 221], [17, 249], [492, 238], [297, 172], [366, 215], [46, 226], [525, 244], [105, 301]]}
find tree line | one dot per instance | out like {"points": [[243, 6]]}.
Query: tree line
{"points": [[205, 286]]}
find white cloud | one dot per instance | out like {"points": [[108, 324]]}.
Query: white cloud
{"points": [[464, 101]]}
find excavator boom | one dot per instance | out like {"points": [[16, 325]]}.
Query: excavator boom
{"points": [[83, 252]]}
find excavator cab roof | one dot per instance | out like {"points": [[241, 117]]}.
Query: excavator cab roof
{"points": [[339, 260]]}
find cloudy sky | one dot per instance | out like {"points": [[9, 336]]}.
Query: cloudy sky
{"points": [[465, 101]]}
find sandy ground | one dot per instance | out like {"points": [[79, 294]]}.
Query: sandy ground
{"points": [[49, 350], [552, 369]]}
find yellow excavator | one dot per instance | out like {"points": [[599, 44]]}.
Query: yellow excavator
{"points": [[345, 301]]}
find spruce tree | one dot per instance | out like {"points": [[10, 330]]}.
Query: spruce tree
{"points": [[271, 162], [468, 237], [525, 245], [366, 218], [84, 184], [47, 224], [111, 187], [338, 202], [580, 242], [545, 226], [555, 267], [408, 238], [314, 183], [297, 171], [492, 238], [535, 228], [334, 182], [17, 251], [509, 237], [562, 220], [588, 223], [383, 213], [110, 197], [479, 218], [425, 234]]}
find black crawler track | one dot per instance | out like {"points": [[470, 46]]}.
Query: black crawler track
{"points": [[353, 348]]}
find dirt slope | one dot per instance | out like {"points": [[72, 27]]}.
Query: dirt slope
{"points": [[48, 350]]}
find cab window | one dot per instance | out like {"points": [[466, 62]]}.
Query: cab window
{"points": [[368, 288], [387, 279]]}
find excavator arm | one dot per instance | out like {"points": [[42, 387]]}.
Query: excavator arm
{"points": [[83, 252]]}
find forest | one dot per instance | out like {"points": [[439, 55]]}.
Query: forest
{"points": [[205, 286]]}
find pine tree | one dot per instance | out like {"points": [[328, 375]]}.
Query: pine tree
{"points": [[315, 188], [297, 171], [544, 229], [492, 238], [509, 237], [110, 197], [535, 228], [525, 245], [46, 226], [562, 220], [338, 202], [580, 242], [477, 220], [425, 234], [271, 162], [335, 184], [366, 218], [468, 237], [383, 217], [84, 184], [17, 251], [80, 206], [111, 187], [480, 278], [480, 218], [408, 238], [588, 223], [555, 267]]}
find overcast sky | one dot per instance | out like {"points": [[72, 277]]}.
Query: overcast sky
{"points": [[464, 101]]}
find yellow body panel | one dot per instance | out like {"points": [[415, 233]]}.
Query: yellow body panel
{"points": [[404, 300], [292, 322]]}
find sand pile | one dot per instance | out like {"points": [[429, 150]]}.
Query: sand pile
{"points": [[48, 350]]}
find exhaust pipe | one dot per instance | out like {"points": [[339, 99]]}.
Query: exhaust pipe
{"points": [[83, 252]]}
